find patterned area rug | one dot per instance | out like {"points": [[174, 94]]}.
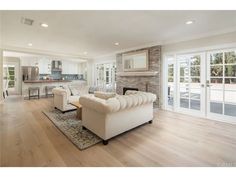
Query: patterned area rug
{"points": [[72, 128]]}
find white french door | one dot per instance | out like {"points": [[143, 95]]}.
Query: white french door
{"points": [[190, 83], [221, 84], [203, 84]]}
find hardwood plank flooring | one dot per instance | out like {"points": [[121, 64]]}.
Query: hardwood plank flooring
{"points": [[28, 138]]}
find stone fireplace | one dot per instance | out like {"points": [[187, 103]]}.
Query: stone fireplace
{"points": [[146, 83], [128, 88]]}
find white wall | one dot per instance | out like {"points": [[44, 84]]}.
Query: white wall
{"points": [[90, 72], [212, 42]]}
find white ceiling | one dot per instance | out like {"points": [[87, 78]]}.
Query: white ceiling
{"points": [[74, 32], [31, 55]]}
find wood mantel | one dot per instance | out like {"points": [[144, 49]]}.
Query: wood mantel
{"points": [[141, 73]]}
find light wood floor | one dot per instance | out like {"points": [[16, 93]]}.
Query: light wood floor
{"points": [[28, 138]]}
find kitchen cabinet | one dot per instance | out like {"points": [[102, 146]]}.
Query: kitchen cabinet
{"points": [[69, 67], [29, 61], [45, 65]]}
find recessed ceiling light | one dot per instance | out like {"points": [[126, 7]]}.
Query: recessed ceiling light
{"points": [[85, 53], [30, 44], [116, 43], [45, 25], [189, 22]]}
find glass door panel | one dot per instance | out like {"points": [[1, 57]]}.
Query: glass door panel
{"points": [[170, 81], [190, 90], [222, 83]]}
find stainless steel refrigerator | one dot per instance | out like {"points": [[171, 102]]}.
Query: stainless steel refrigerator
{"points": [[30, 73]]}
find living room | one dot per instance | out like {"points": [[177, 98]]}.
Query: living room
{"points": [[118, 88]]}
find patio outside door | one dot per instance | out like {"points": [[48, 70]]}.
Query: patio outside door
{"points": [[191, 83], [221, 84]]}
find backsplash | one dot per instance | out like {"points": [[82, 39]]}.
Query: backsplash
{"points": [[58, 76]]}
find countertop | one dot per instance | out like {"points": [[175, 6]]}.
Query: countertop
{"points": [[44, 81]]}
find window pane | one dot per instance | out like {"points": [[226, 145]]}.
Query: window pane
{"points": [[230, 57], [195, 60], [230, 110], [230, 70], [184, 92], [230, 96], [170, 71], [195, 93], [216, 58], [11, 84], [184, 63], [11, 72], [184, 71], [216, 80], [195, 71], [230, 81], [184, 79], [12, 78], [170, 101], [170, 65], [195, 80], [216, 71], [170, 79], [195, 104], [184, 103], [216, 95], [216, 107]]}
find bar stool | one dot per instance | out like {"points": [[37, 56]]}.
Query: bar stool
{"points": [[33, 89], [48, 90]]}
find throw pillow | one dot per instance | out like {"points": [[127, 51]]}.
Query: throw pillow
{"points": [[104, 95], [74, 91]]}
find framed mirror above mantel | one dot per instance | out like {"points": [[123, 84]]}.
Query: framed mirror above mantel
{"points": [[135, 61]]}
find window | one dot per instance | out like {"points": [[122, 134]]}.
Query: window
{"points": [[106, 75], [171, 82]]}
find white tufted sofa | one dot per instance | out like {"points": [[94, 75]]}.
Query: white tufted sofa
{"points": [[108, 118]]}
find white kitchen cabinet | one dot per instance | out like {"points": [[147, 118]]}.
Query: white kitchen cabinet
{"points": [[44, 65], [69, 67], [29, 61]]}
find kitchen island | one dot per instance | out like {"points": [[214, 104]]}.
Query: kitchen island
{"points": [[43, 83]]}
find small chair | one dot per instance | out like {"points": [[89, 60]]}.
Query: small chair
{"points": [[48, 90], [33, 89]]}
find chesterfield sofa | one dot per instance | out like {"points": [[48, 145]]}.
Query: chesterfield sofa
{"points": [[110, 117]]}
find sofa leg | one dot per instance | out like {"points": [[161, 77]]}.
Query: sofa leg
{"points": [[150, 122], [105, 142], [84, 128]]}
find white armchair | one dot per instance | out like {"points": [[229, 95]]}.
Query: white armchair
{"points": [[63, 98]]}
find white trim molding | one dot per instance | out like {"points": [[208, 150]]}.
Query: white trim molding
{"points": [[146, 73]]}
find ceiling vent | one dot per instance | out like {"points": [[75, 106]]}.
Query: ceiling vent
{"points": [[27, 21]]}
